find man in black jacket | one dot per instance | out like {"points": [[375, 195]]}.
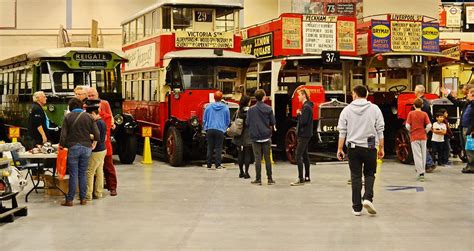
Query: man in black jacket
{"points": [[467, 121], [304, 131], [260, 121], [37, 121]]}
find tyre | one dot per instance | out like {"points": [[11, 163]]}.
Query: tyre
{"points": [[174, 147], [403, 147], [290, 145], [128, 149]]}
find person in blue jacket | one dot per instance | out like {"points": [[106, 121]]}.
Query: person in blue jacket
{"points": [[216, 121]]}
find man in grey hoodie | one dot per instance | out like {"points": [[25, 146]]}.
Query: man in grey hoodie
{"points": [[361, 126]]}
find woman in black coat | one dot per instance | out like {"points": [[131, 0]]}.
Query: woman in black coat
{"points": [[243, 141]]}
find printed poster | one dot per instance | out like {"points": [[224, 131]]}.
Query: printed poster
{"points": [[259, 46], [430, 37], [291, 33], [204, 39], [346, 36], [453, 16], [319, 33], [381, 36], [406, 36], [469, 14]]}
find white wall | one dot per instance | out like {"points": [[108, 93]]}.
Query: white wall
{"points": [[38, 22], [259, 11], [419, 7]]}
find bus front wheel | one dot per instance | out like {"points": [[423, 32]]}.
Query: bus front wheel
{"points": [[129, 150], [290, 145], [174, 147]]}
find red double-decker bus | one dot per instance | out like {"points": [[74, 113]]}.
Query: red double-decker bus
{"points": [[315, 52], [179, 54]]}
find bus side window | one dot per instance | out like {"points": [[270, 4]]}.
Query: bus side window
{"points": [[23, 89], [2, 83], [45, 78], [156, 22], [166, 18], [182, 18], [29, 81], [126, 33], [251, 81], [146, 86], [11, 81]]}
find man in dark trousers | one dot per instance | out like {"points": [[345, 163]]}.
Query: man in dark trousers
{"points": [[304, 132], [38, 121], [361, 127], [216, 121], [260, 121], [420, 93]]}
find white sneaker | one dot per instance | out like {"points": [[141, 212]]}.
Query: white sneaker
{"points": [[356, 213], [369, 207]]}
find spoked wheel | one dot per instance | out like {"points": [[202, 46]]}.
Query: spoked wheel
{"points": [[174, 147], [403, 147], [290, 145]]}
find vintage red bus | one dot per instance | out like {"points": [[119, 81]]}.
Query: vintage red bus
{"points": [[179, 54], [312, 51]]}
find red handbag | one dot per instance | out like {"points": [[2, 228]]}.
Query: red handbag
{"points": [[61, 162]]}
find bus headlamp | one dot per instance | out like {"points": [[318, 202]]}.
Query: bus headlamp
{"points": [[51, 108], [194, 122], [118, 119]]}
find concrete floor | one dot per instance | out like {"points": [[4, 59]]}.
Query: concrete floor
{"points": [[160, 207]]}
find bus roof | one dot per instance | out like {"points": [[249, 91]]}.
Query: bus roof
{"points": [[53, 53], [205, 53], [205, 3]]}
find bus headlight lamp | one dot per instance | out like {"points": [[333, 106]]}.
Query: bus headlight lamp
{"points": [[118, 119], [194, 122]]}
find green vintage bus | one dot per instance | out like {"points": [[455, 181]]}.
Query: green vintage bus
{"points": [[57, 72]]}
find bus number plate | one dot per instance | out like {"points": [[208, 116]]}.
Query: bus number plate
{"points": [[331, 57], [204, 16]]}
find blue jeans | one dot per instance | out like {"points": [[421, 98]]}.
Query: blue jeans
{"points": [[77, 161], [429, 159]]}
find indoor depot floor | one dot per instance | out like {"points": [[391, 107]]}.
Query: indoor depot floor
{"points": [[191, 208]]}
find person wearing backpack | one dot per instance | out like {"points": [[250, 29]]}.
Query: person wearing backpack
{"points": [[243, 141]]}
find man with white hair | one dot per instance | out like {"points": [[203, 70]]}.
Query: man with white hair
{"points": [[38, 121], [80, 92], [106, 115], [420, 93]]}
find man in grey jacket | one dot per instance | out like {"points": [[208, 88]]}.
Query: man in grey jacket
{"points": [[361, 126]]}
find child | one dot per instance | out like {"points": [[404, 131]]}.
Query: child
{"points": [[96, 161], [447, 137], [439, 131], [418, 124]]}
